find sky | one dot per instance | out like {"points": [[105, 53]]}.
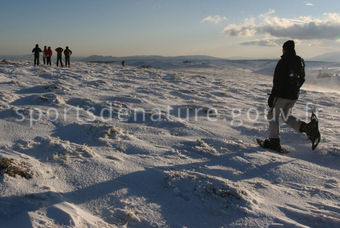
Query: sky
{"points": [[221, 28]]}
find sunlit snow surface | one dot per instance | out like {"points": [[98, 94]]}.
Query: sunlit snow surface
{"points": [[139, 169]]}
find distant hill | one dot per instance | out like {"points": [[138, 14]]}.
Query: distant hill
{"points": [[327, 57], [260, 66], [156, 61], [98, 58], [16, 57]]}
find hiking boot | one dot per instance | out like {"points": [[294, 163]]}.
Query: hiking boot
{"points": [[308, 128], [312, 130], [272, 143]]}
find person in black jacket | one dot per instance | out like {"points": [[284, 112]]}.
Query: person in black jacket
{"points": [[67, 54], [289, 76], [36, 52], [59, 51]]}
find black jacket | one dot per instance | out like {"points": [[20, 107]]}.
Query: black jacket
{"points": [[289, 76], [59, 51], [67, 52], [36, 51]]}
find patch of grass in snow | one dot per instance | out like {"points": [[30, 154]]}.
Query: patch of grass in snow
{"points": [[11, 168]]}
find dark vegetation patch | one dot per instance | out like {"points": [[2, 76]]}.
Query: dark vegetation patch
{"points": [[11, 168]]}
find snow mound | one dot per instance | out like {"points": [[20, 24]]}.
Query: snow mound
{"points": [[61, 214], [53, 149], [204, 148], [53, 87], [125, 217], [88, 134], [212, 191], [45, 99], [68, 215], [7, 97]]}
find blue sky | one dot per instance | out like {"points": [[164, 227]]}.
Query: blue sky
{"points": [[223, 28]]}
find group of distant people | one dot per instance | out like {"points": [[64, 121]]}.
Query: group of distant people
{"points": [[47, 54]]}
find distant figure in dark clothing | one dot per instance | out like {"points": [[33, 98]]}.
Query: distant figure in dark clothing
{"points": [[49, 55], [36, 52], [59, 51], [123, 63], [45, 55], [67, 54]]}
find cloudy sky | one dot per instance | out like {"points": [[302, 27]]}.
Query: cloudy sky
{"points": [[222, 28]]}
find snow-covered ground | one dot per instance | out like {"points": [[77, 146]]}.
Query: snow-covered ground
{"points": [[109, 146]]}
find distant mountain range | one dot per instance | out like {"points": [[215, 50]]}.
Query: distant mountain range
{"points": [[156, 61], [148, 57], [327, 57]]}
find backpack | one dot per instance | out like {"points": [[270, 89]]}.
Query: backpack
{"points": [[68, 53], [296, 76]]}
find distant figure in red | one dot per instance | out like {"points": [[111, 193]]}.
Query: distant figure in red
{"points": [[49, 55], [36, 52], [59, 51], [67, 54], [123, 63], [45, 55]]}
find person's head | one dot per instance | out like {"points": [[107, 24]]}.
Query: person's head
{"points": [[288, 47], [66, 47], [36, 45], [49, 47]]}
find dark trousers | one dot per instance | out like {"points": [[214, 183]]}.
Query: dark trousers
{"points": [[67, 61], [59, 59], [44, 59], [36, 60], [49, 60]]}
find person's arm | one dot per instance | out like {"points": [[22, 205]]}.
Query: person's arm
{"points": [[302, 76]]}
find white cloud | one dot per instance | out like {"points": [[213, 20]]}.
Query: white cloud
{"points": [[305, 28], [265, 42], [309, 4], [214, 19], [270, 42], [266, 14]]}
